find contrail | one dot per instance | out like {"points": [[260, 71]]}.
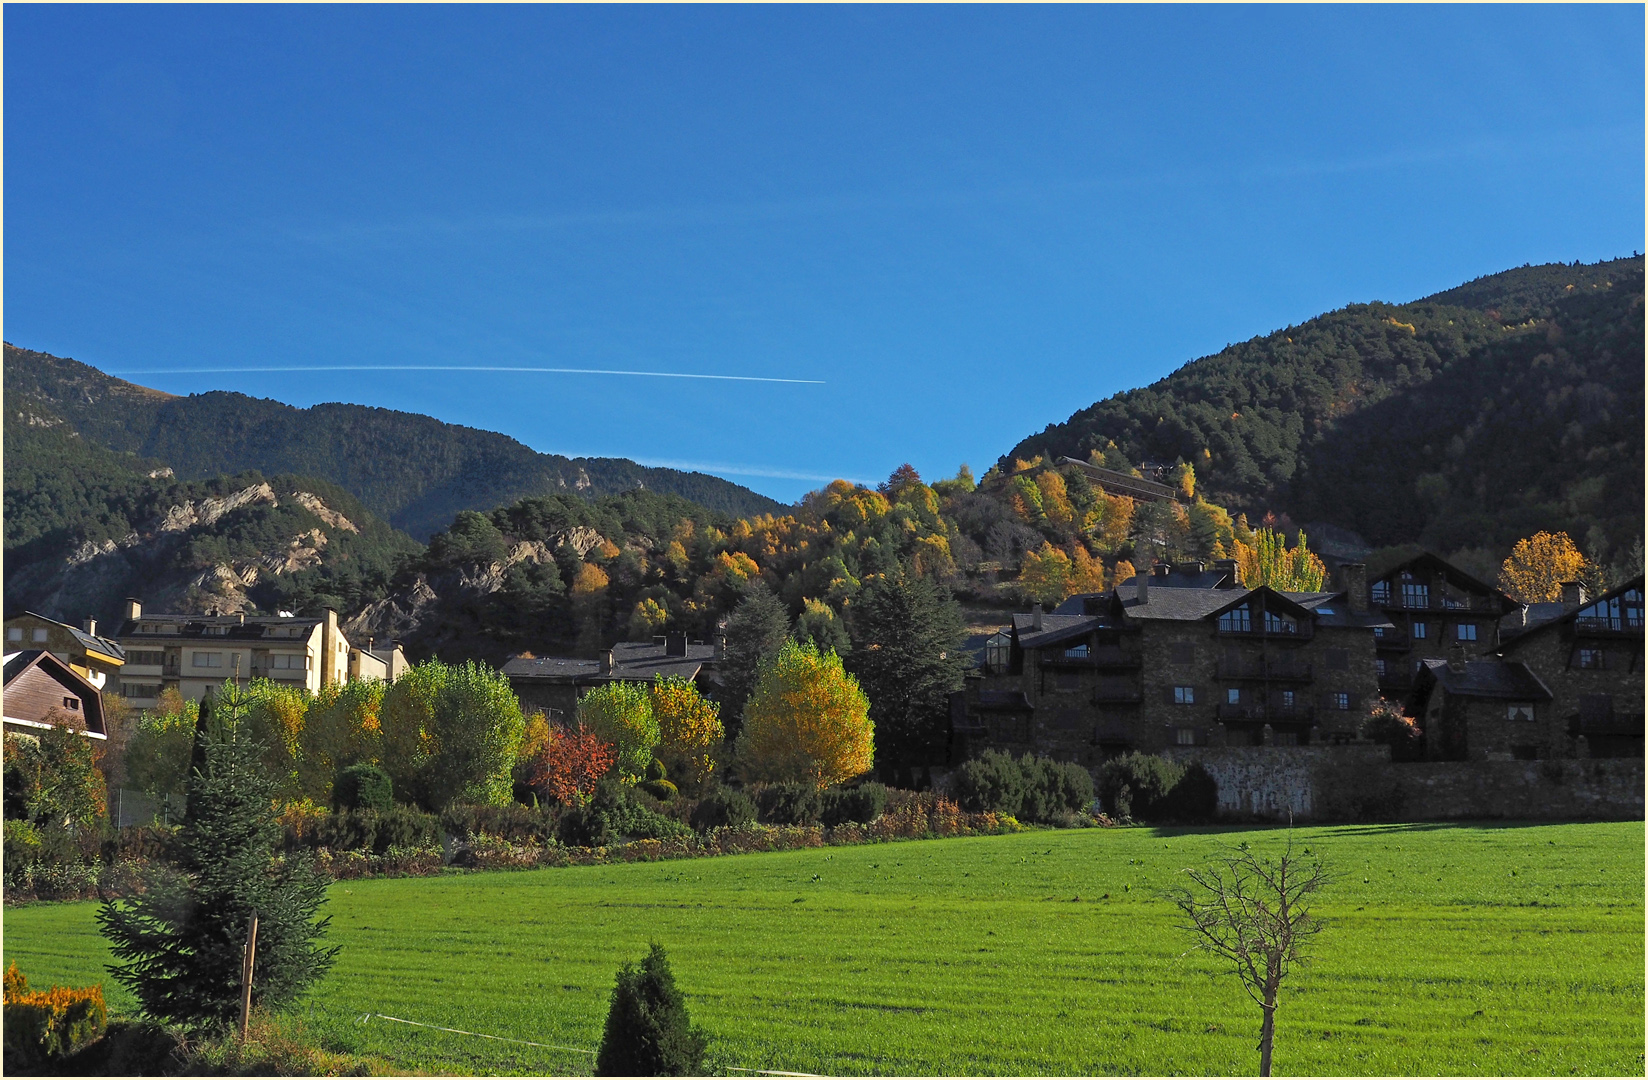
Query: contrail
{"points": [[442, 367]]}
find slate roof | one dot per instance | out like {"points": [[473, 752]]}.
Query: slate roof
{"points": [[1054, 628], [87, 641], [192, 626], [1178, 579], [632, 661], [1562, 614], [1507, 679]]}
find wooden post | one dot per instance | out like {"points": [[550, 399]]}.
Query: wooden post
{"points": [[246, 976]]}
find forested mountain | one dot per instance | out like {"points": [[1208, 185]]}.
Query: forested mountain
{"points": [[1468, 418], [412, 470]]}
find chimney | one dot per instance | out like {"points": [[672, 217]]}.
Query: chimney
{"points": [[1229, 569], [1456, 658], [1162, 569], [606, 662], [329, 636], [1141, 586], [1036, 617], [721, 639], [91, 627], [1193, 567], [240, 618], [675, 644], [134, 610], [1353, 576], [1573, 594]]}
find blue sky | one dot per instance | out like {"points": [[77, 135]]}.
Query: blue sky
{"points": [[952, 226]]}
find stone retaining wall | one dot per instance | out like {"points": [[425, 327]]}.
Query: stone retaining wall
{"points": [[1360, 782]]}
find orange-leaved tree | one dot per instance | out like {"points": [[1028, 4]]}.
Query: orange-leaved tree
{"points": [[689, 726], [566, 764], [807, 721], [1539, 565]]}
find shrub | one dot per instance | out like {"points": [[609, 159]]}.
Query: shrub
{"points": [[723, 807], [566, 767], [1195, 798], [788, 804], [660, 789], [516, 823], [648, 1031], [363, 787], [43, 1025], [613, 813], [22, 844], [993, 782], [1134, 784], [862, 804]]}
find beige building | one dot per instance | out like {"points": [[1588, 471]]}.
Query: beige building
{"points": [[95, 659], [193, 653], [383, 662]]}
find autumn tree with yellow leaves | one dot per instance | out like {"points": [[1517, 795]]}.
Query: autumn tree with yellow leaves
{"points": [[1539, 565], [807, 721], [689, 727]]}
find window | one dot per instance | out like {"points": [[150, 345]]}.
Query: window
{"points": [[1185, 736], [1233, 696], [72, 704], [1077, 652], [40, 634], [1465, 631], [1381, 592], [1236, 621], [1324, 611], [1420, 631], [1592, 658], [14, 633], [1339, 700], [288, 662], [1280, 624], [1416, 595], [998, 651], [1623, 612], [1520, 711], [1379, 668], [1184, 695], [154, 657], [140, 690], [1338, 659], [1287, 699], [1182, 652], [207, 659], [1378, 631]]}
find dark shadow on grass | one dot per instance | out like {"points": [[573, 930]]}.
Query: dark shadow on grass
{"points": [[1363, 828]]}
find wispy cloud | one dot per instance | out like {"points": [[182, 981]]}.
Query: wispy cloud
{"points": [[450, 367]]}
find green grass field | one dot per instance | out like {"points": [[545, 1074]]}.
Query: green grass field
{"points": [[1450, 949]]}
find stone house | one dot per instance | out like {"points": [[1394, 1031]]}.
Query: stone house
{"points": [[96, 659], [554, 684], [1590, 656], [1480, 710], [1432, 606], [1182, 656]]}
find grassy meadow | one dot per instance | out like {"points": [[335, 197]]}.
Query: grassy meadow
{"points": [[1455, 949]]}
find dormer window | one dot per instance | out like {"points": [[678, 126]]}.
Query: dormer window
{"points": [[1622, 612], [1381, 592], [1077, 652], [1280, 624], [998, 653], [1236, 621], [1416, 595]]}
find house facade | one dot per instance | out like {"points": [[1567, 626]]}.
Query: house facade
{"points": [[1431, 606], [1481, 710], [42, 692], [97, 659], [1182, 656], [196, 653], [1590, 657], [554, 684]]}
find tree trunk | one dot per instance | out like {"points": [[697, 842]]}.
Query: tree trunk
{"points": [[1266, 1033]]}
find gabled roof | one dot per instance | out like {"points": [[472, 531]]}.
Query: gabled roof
{"points": [[1183, 579], [1181, 605], [632, 661], [19, 664], [1509, 680], [1512, 637], [1054, 629], [87, 641], [1378, 570]]}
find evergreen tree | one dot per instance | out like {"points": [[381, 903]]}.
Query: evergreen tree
{"points": [[182, 937], [907, 634], [756, 629], [648, 1031]]}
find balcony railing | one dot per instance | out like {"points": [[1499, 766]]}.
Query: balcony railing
{"points": [[1601, 624], [1099, 658], [1257, 711], [1265, 668], [1438, 603]]}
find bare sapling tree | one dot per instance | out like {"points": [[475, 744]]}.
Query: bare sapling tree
{"points": [[1254, 912]]}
